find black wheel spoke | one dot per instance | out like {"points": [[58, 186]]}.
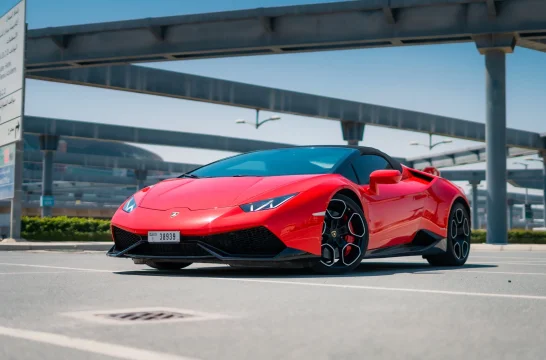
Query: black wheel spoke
{"points": [[343, 230]]}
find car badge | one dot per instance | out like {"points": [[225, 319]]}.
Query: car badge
{"points": [[174, 214], [334, 233]]}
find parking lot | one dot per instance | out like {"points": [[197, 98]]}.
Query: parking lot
{"points": [[54, 304]]}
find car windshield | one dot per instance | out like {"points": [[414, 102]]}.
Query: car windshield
{"points": [[289, 161]]}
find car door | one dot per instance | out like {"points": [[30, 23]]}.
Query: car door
{"points": [[395, 211]]}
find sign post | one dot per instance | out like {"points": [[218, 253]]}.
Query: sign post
{"points": [[12, 99]]}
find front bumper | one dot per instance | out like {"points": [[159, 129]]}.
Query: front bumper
{"points": [[256, 244]]}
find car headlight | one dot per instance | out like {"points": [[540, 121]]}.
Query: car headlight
{"points": [[130, 205], [266, 204]]}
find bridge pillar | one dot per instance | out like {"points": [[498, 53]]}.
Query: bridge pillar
{"points": [[48, 145], [544, 185], [353, 132], [510, 214], [141, 176], [475, 205], [495, 47]]}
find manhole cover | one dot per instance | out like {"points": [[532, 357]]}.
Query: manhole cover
{"points": [[146, 316], [143, 316]]}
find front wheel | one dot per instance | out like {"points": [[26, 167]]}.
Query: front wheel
{"points": [[344, 237], [458, 239]]}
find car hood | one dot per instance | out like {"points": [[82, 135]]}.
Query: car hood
{"points": [[209, 193]]}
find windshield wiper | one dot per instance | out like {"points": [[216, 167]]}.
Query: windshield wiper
{"points": [[189, 176]]}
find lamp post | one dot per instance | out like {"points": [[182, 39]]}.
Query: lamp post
{"points": [[430, 144], [526, 197], [257, 123]]}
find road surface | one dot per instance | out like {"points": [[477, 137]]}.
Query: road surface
{"points": [[53, 306]]}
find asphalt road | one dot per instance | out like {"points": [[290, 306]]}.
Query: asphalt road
{"points": [[493, 308]]}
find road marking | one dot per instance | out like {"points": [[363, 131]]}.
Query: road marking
{"points": [[531, 263], [490, 272], [34, 272], [92, 346], [363, 287], [509, 258], [61, 267]]}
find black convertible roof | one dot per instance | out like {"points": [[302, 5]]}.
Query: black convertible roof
{"points": [[365, 150]]}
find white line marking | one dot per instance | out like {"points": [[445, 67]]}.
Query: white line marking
{"points": [[363, 287], [385, 261], [34, 272], [61, 267], [96, 347], [486, 272], [509, 258], [530, 263]]}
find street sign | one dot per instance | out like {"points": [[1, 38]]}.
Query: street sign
{"points": [[7, 168], [47, 201], [13, 29], [12, 73]]}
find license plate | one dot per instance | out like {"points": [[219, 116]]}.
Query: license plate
{"points": [[164, 236]]}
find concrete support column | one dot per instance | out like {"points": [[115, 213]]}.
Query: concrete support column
{"points": [[495, 47], [141, 176], [48, 145], [475, 218], [510, 214], [353, 132], [544, 186]]}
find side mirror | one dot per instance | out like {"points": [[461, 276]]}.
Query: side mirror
{"points": [[431, 170], [383, 177]]}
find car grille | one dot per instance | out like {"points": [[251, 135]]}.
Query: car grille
{"points": [[257, 241], [123, 239]]}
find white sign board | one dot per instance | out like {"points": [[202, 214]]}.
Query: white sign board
{"points": [[12, 73], [7, 161]]}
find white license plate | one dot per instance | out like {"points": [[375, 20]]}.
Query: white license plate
{"points": [[164, 236]]}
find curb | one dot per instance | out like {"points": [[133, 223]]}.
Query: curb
{"points": [[28, 245], [508, 247]]}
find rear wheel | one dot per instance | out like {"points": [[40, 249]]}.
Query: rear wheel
{"points": [[344, 237], [167, 265], [458, 239]]}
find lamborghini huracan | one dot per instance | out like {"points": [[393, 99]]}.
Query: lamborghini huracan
{"points": [[322, 207]]}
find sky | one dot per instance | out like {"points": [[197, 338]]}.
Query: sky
{"points": [[446, 80]]}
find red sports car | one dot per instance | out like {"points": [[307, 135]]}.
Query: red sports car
{"points": [[323, 207]]}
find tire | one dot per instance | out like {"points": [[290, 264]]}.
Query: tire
{"points": [[344, 239], [458, 239], [167, 265]]}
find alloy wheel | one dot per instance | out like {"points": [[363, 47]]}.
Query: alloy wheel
{"points": [[343, 231]]}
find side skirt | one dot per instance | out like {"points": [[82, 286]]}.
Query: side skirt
{"points": [[425, 243]]}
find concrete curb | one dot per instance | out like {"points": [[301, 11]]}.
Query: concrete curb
{"points": [[509, 247], [29, 245]]}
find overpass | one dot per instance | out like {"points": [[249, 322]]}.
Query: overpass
{"points": [[291, 29], [353, 115]]}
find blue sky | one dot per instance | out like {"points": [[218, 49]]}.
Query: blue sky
{"points": [[445, 79]]}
